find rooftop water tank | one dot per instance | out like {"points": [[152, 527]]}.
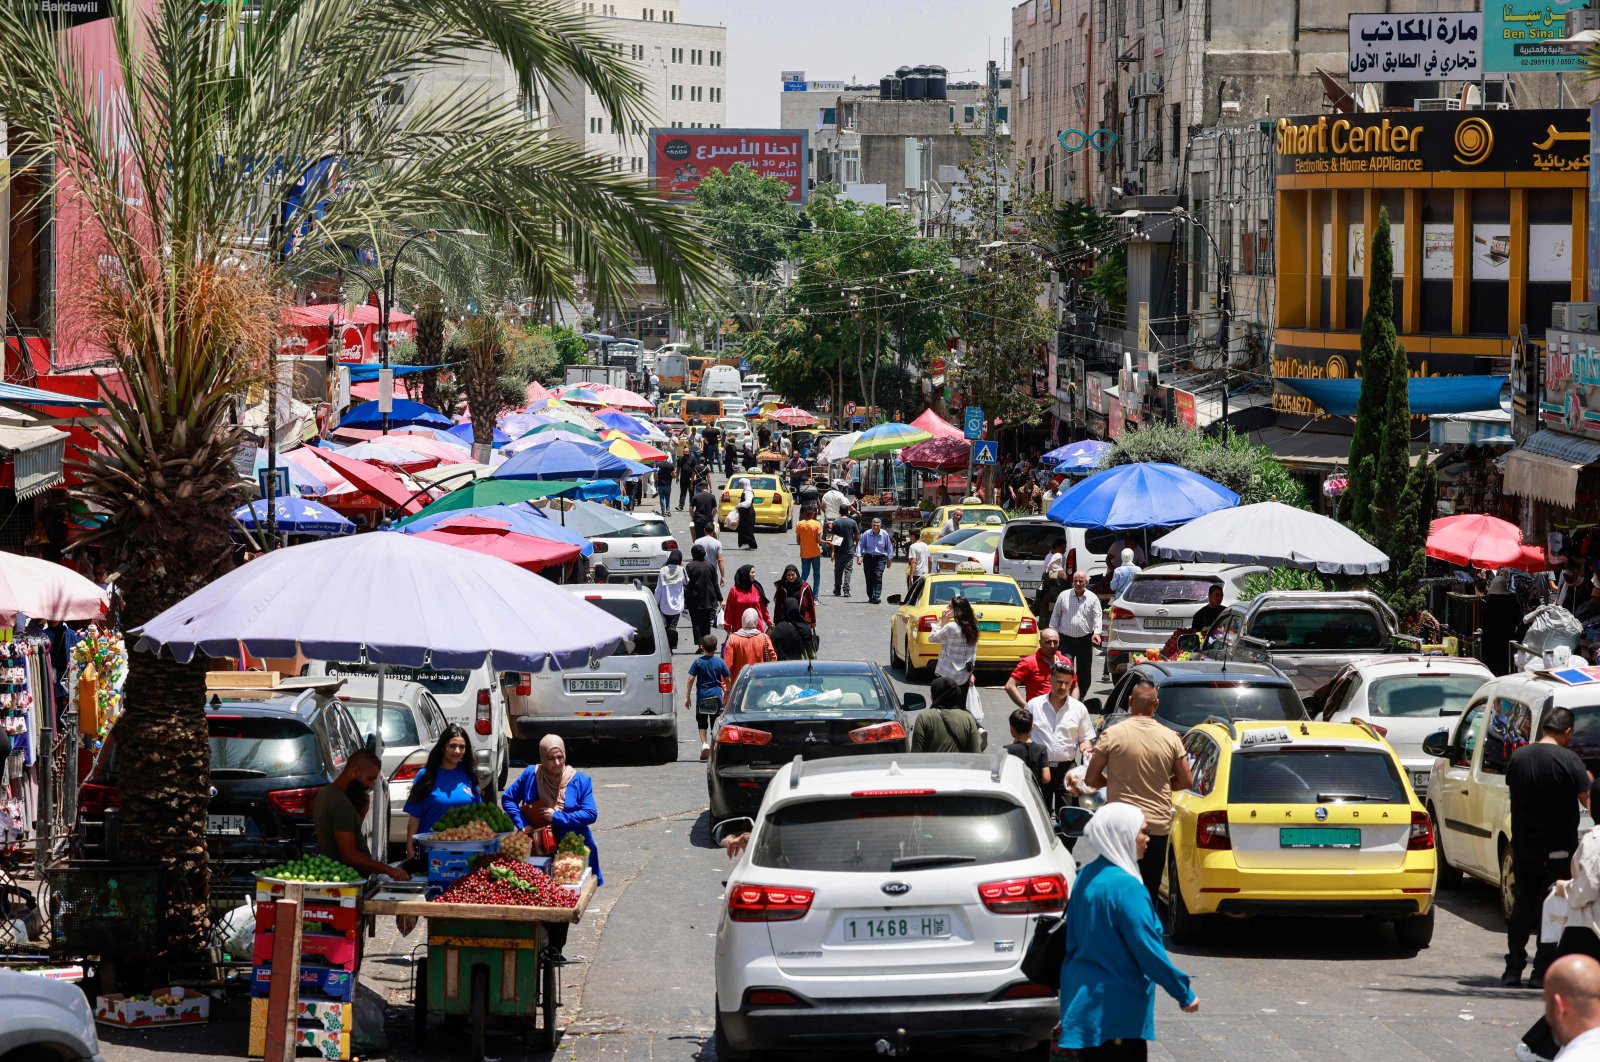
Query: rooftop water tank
{"points": [[916, 85], [889, 87], [936, 83]]}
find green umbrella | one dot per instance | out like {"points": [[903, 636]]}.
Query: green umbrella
{"points": [[494, 492], [574, 429], [886, 438]]}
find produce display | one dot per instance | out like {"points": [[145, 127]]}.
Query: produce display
{"points": [[516, 846], [497, 820], [313, 868], [477, 830], [509, 883], [572, 858]]}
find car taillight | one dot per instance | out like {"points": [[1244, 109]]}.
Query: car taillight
{"points": [[1043, 892], [742, 735], [890, 731], [406, 772], [768, 903], [925, 624], [599, 547], [1211, 831], [771, 997], [1381, 731], [1421, 831], [869, 793], [1027, 625], [296, 802], [1028, 990], [524, 684], [995, 564], [664, 678], [669, 545], [1071, 561], [95, 799], [725, 496], [1121, 613], [482, 725]]}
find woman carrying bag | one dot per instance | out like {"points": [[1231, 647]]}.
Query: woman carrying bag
{"points": [[957, 638], [747, 515], [1582, 934]]}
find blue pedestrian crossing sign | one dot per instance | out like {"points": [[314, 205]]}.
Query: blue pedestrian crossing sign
{"points": [[972, 422], [985, 451]]}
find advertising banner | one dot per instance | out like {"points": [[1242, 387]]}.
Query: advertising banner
{"points": [[1524, 37], [680, 158], [1183, 407], [1532, 141], [1437, 47]]}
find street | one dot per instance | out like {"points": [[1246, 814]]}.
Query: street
{"points": [[641, 985]]}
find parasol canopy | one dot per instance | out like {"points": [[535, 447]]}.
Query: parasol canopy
{"points": [[294, 516], [367, 415], [838, 448], [495, 538], [943, 453], [1276, 535], [566, 459], [1084, 455], [44, 590], [634, 450], [582, 396], [1146, 494], [793, 416], [623, 423], [886, 438], [937, 426], [520, 517], [1477, 539]]}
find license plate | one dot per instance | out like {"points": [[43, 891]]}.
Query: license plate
{"points": [[635, 562], [989, 625], [228, 825], [1164, 624], [1319, 837], [594, 685], [909, 927], [1419, 781]]}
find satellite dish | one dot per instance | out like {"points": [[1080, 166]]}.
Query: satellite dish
{"points": [[1338, 96], [1471, 98], [1370, 103]]}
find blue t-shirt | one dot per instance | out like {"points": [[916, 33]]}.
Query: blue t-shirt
{"points": [[708, 673], [454, 787]]}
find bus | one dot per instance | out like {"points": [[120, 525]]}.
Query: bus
{"points": [[701, 411]]}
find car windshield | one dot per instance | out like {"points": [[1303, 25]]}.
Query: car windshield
{"points": [[876, 835], [1314, 776], [1319, 628], [1168, 590], [1187, 704], [267, 747], [978, 591], [759, 482], [436, 680], [644, 529], [816, 694], [635, 613], [1422, 695], [399, 724], [958, 536], [1031, 542]]}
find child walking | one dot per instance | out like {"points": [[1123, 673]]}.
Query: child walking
{"points": [[708, 673]]}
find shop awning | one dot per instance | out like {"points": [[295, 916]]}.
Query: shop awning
{"points": [[1547, 479], [37, 453], [1429, 395], [366, 372], [1471, 429], [16, 394], [1562, 446]]}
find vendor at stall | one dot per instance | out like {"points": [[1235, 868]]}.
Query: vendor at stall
{"points": [[443, 784], [552, 793], [337, 811]]}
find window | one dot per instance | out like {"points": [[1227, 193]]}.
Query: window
{"points": [[677, 92], [635, 613], [1224, 633], [258, 746], [827, 117], [872, 835], [695, 55], [1509, 728], [716, 95], [1421, 696], [978, 591], [1314, 776], [1030, 542], [1169, 590], [716, 58], [1204, 757], [850, 165], [779, 694], [677, 55], [399, 725], [1319, 628], [1467, 736], [1189, 704]]}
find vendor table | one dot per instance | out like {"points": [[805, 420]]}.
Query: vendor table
{"points": [[484, 960]]}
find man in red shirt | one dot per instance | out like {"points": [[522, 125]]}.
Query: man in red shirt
{"points": [[1031, 677]]}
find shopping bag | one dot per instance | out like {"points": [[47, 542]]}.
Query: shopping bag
{"points": [[974, 702], [732, 522], [1553, 919], [1041, 963]]}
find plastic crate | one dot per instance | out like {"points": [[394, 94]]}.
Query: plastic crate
{"points": [[338, 952], [314, 917], [322, 981], [450, 861], [322, 1027], [112, 912], [340, 895]]}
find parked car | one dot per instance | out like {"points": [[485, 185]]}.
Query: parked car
{"points": [[777, 711], [1027, 541], [624, 696], [1192, 691], [630, 546], [721, 381], [1308, 635], [976, 549], [886, 898], [735, 430], [412, 724], [44, 1020], [1405, 698], [1467, 795], [1162, 599]]}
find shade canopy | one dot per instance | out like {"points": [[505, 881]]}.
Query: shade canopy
{"points": [[44, 590], [794, 416], [623, 423], [1428, 395], [582, 396], [464, 432], [494, 538], [494, 492], [548, 433], [1477, 539], [887, 438], [1276, 535], [565, 459], [943, 453], [519, 517], [635, 450], [593, 520], [426, 432], [623, 398], [447, 453], [373, 479], [394, 599], [393, 456], [1081, 456], [937, 426], [838, 447], [1148, 494], [295, 516], [302, 480], [368, 415]]}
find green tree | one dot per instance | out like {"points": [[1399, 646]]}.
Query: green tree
{"points": [[227, 108], [749, 219], [1405, 540], [1248, 470], [1377, 357]]}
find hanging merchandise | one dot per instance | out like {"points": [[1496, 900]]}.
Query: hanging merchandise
{"points": [[1334, 486], [102, 657]]}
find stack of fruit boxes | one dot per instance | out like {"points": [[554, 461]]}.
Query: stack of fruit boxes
{"points": [[329, 954]]}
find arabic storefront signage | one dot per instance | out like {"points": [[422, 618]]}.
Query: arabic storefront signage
{"points": [[1593, 264], [1183, 407], [1571, 397], [1524, 36], [1416, 47], [1435, 142], [680, 158]]}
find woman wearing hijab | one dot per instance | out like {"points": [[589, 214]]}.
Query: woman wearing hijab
{"points": [[747, 645], [551, 793], [671, 593], [792, 637], [745, 593], [747, 515], [703, 591], [791, 585], [1114, 955]]}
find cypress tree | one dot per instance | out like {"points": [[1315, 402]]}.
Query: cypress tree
{"points": [[1394, 447], [1377, 352]]}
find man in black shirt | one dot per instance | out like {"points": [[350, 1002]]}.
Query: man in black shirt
{"points": [[704, 507], [1207, 613], [1547, 782], [687, 466], [708, 441], [846, 531]]}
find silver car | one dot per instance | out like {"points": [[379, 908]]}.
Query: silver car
{"points": [[412, 725], [631, 547], [45, 1019], [1162, 599]]}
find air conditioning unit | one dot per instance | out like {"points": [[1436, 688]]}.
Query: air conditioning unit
{"points": [[1443, 103], [1574, 316], [1583, 19], [1145, 84], [1498, 106]]}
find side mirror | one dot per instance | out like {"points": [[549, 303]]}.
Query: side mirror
{"points": [[1071, 821], [1188, 643], [895, 599], [731, 828], [913, 702], [1096, 705], [1437, 743]]}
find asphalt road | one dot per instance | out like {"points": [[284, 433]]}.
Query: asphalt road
{"points": [[642, 987]]}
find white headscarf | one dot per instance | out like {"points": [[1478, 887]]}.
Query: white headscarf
{"points": [[1113, 834]]}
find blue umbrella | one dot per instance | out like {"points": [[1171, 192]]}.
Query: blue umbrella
{"points": [[565, 459], [1149, 494], [523, 519], [623, 423], [451, 436], [367, 415], [295, 516], [463, 433], [582, 396], [1081, 456]]}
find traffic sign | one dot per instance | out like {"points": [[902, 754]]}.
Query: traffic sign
{"points": [[849, 409], [972, 422], [276, 485], [986, 451]]}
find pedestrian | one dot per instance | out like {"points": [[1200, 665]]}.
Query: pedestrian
{"points": [[1572, 1007], [956, 634], [745, 593], [808, 534], [796, 467], [1141, 762], [876, 549], [702, 591], [1582, 934], [790, 584], [688, 465], [1207, 613], [1061, 727], [710, 437], [671, 585], [919, 558], [747, 645], [337, 811], [551, 793], [1057, 557], [599, 574], [806, 494], [845, 531], [1033, 756], [730, 456], [792, 637], [835, 503], [946, 725], [1114, 954], [764, 436], [1122, 578], [1547, 783], [711, 542], [746, 509], [443, 784], [1031, 677], [708, 679], [664, 474], [1052, 585], [1077, 618], [703, 509], [951, 523]]}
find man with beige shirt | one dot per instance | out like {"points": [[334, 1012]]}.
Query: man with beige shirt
{"points": [[1141, 762]]}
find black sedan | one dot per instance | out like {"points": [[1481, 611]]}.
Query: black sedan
{"points": [[778, 711], [1193, 690]]}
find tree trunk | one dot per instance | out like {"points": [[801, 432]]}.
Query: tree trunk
{"points": [[877, 357], [861, 358]]}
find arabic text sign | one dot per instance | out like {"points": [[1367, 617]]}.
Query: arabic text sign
{"points": [[680, 158], [1524, 36], [1436, 47]]}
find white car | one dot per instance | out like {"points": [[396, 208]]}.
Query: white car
{"points": [[44, 1019], [885, 893], [735, 430], [412, 725], [1405, 698], [979, 550], [1163, 598], [630, 546]]}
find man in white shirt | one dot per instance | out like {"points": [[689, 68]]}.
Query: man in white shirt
{"points": [[951, 523], [834, 502], [919, 556], [1061, 727], [713, 547], [1572, 1007], [1077, 617]]}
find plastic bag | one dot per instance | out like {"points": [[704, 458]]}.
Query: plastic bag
{"points": [[1550, 626], [974, 701], [732, 522], [1553, 917]]}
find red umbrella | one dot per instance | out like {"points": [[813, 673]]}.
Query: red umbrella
{"points": [[945, 454], [495, 538], [1477, 539], [537, 391], [937, 426], [793, 416], [623, 398], [374, 480]]}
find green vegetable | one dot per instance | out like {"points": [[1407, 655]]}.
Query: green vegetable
{"points": [[497, 819], [314, 869]]}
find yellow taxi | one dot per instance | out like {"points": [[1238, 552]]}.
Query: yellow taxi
{"points": [[971, 515], [1297, 818], [672, 405], [1007, 631], [774, 504]]}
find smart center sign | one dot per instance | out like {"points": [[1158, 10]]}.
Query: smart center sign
{"points": [[1434, 142]]}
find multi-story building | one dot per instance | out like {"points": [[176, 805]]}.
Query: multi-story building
{"points": [[814, 106]]}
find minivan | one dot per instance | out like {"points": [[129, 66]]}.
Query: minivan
{"points": [[720, 381], [702, 411], [1026, 542]]}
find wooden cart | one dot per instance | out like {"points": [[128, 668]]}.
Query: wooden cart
{"points": [[483, 961]]}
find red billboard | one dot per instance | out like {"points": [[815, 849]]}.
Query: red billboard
{"points": [[680, 158]]}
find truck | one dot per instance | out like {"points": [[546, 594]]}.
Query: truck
{"points": [[672, 369], [610, 375]]}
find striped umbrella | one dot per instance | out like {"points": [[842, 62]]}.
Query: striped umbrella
{"points": [[582, 396], [793, 416], [633, 450], [886, 438]]}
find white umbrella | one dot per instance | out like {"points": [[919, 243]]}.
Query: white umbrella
{"points": [[44, 590], [838, 448], [1275, 534]]}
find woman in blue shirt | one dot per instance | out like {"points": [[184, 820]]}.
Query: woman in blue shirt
{"points": [[443, 784], [1114, 954], [551, 793]]}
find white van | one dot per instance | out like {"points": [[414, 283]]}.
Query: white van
{"points": [[1025, 542], [721, 381]]}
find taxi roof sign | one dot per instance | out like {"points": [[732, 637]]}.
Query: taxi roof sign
{"points": [[1265, 736], [971, 568]]}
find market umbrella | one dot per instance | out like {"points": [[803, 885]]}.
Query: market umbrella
{"points": [[423, 431], [549, 433], [294, 516], [373, 479], [490, 491], [886, 438], [634, 450], [520, 517], [582, 396], [44, 590], [793, 416], [838, 447], [367, 415], [566, 459], [393, 456], [464, 430], [496, 539], [446, 453], [302, 480], [622, 422], [1148, 494], [624, 398], [1081, 456], [577, 431], [515, 425], [1475, 539], [942, 453], [537, 392], [452, 477], [568, 414], [1276, 535], [937, 426]]}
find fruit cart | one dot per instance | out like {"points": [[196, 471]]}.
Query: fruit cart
{"points": [[483, 960]]}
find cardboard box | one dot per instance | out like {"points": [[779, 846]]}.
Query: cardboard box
{"points": [[340, 895], [338, 952], [52, 973], [323, 1027], [190, 1008], [315, 981], [325, 918]]}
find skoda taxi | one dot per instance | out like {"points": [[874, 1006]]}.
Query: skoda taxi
{"points": [[1007, 630], [1298, 818], [971, 516], [773, 503]]}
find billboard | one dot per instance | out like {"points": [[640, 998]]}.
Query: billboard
{"points": [[1524, 37], [680, 158], [1437, 47]]}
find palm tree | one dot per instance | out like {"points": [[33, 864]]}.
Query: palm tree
{"points": [[244, 121]]}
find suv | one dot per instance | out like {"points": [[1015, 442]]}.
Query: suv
{"points": [[1026, 542], [1163, 599], [890, 898], [1467, 795], [1193, 691], [1308, 635], [627, 695]]}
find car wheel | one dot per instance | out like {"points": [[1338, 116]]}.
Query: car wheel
{"points": [[726, 1052], [895, 659], [915, 672], [1508, 881], [665, 749], [1449, 875], [1416, 932], [1185, 928]]}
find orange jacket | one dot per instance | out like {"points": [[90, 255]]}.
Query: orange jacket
{"points": [[740, 651]]}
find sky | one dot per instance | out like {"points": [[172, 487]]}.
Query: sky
{"points": [[856, 41]]}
